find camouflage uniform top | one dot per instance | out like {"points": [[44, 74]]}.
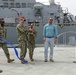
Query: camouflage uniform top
{"points": [[3, 32], [31, 37], [21, 31]]}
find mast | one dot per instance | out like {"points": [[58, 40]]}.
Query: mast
{"points": [[52, 2]]}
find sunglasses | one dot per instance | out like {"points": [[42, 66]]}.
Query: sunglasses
{"points": [[24, 20]]}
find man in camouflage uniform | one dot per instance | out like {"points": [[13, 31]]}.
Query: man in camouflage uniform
{"points": [[22, 40], [31, 40], [3, 44]]}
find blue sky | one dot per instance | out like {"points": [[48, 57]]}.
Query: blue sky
{"points": [[70, 4]]}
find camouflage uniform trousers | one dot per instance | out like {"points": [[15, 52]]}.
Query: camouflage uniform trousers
{"points": [[5, 49], [31, 47], [23, 47]]}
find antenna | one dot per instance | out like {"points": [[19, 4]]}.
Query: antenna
{"points": [[18, 13], [52, 1]]}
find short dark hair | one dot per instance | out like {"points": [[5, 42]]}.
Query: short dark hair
{"points": [[50, 18]]}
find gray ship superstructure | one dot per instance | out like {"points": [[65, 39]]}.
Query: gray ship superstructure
{"points": [[37, 13]]}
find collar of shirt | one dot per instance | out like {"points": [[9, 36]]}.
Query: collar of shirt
{"points": [[49, 24]]}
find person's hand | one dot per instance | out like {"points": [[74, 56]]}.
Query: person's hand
{"points": [[29, 28], [31, 33], [44, 38], [56, 39]]}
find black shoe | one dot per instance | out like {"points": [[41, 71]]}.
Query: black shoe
{"points": [[31, 59], [45, 60], [10, 60], [51, 60], [22, 62], [1, 71]]}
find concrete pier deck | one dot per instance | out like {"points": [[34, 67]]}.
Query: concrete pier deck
{"points": [[62, 65]]}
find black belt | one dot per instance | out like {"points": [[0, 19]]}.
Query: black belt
{"points": [[49, 37]]}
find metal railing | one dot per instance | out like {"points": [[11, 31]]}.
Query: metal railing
{"points": [[67, 40]]}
